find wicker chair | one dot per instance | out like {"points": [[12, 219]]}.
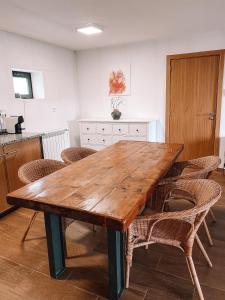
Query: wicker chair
{"points": [[178, 229], [33, 171], [190, 169], [73, 154]]}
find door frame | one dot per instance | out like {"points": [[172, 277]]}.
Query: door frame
{"points": [[169, 58]]}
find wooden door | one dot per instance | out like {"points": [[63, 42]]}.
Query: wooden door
{"points": [[3, 183], [192, 103], [18, 154]]}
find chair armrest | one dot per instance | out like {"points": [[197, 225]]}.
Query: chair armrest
{"points": [[184, 214], [143, 226]]}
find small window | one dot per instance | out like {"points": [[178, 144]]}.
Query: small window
{"points": [[22, 85]]}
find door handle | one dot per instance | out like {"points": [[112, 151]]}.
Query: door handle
{"points": [[212, 116]]}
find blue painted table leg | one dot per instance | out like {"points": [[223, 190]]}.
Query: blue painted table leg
{"points": [[54, 236], [116, 263]]}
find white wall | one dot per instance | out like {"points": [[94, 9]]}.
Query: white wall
{"points": [[147, 81], [60, 106], [148, 76], [66, 72]]}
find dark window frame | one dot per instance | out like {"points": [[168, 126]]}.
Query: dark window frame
{"points": [[26, 75]]}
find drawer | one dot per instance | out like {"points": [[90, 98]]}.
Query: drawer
{"points": [[104, 128], [88, 139], [138, 129], [104, 140], [88, 128], [120, 129]]}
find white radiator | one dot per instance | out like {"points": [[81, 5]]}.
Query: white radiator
{"points": [[54, 142]]}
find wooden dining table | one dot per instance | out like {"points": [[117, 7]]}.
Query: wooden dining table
{"points": [[108, 188]]}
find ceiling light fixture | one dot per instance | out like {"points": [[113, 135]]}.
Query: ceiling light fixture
{"points": [[90, 29]]}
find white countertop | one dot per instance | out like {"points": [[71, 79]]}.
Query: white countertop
{"points": [[117, 121]]}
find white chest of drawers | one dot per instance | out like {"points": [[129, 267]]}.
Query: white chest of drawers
{"points": [[98, 134]]}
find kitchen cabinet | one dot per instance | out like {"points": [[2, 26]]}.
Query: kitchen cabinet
{"points": [[3, 183], [13, 156]]}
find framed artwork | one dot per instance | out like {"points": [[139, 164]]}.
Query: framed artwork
{"points": [[119, 80]]}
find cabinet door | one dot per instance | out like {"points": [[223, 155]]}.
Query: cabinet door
{"points": [[3, 183], [18, 154]]}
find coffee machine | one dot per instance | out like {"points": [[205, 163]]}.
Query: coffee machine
{"points": [[13, 124]]}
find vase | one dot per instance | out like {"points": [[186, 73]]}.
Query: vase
{"points": [[116, 114]]}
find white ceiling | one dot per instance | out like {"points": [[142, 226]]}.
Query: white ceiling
{"points": [[125, 21]]}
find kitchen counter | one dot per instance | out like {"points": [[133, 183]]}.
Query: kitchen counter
{"points": [[6, 139], [15, 151]]}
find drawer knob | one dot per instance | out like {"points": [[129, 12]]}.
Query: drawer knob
{"points": [[103, 140], [119, 129], [88, 128], [88, 140], [103, 129], [137, 130]]}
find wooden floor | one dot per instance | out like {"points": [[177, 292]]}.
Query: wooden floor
{"points": [[158, 273]]}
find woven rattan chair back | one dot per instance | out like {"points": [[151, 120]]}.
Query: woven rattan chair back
{"points": [[73, 154], [37, 169], [200, 168], [203, 193]]}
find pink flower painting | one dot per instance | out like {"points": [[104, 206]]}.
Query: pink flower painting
{"points": [[117, 83], [119, 80]]}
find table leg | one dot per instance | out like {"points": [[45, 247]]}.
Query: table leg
{"points": [[116, 263], [54, 236]]}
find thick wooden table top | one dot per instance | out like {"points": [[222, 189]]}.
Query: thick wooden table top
{"points": [[107, 188]]}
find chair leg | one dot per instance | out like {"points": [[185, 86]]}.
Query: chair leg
{"points": [[195, 277], [29, 226], [129, 258], [212, 215], [202, 249], [207, 233], [128, 274], [189, 269]]}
